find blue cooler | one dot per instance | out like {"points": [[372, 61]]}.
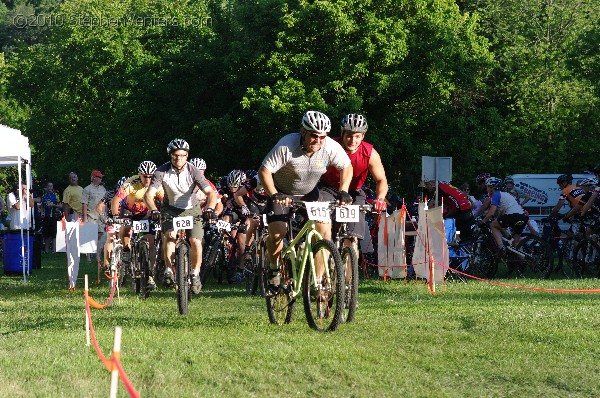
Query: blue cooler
{"points": [[12, 252]]}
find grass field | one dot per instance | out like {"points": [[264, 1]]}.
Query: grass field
{"points": [[470, 340]]}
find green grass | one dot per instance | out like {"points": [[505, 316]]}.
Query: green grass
{"points": [[470, 340]]}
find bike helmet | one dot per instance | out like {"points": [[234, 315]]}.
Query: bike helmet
{"points": [[588, 181], [317, 122], [235, 178], [120, 182], [493, 182], [355, 123], [509, 180], [198, 163], [564, 178], [250, 174], [176, 144], [147, 167], [482, 178]]}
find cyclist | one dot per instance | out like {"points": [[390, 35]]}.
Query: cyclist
{"points": [[508, 212], [590, 200], [570, 193], [456, 205], [364, 159], [252, 200], [595, 193], [233, 213], [178, 178], [104, 211], [129, 202], [291, 170], [485, 198], [200, 164], [509, 186]]}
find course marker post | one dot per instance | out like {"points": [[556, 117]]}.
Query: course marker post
{"points": [[87, 320], [114, 380]]}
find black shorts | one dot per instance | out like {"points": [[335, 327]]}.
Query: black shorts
{"points": [[49, 224], [515, 221], [277, 212], [357, 229]]}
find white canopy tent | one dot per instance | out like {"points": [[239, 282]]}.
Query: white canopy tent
{"points": [[15, 151]]}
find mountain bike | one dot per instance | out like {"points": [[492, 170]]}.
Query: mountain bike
{"points": [[586, 259], [219, 253], [323, 295], [562, 244], [349, 255], [255, 267], [182, 262], [139, 266]]}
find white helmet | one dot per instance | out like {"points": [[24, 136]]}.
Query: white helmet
{"points": [[147, 167], [355, 123], [317, 122], [235, 178], [198, 163]]}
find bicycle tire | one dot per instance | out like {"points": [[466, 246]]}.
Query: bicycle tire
{"points": [[250, 267], [587, 259], [134, 268], [350, 265], [159, 265], [539, 258], [483, 262], [281, 304], [116, 265], [181, 271], [144, 265], [324, 304], [260, 272]]}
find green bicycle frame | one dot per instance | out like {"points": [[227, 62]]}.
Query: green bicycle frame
{"points": [[299, 267]]}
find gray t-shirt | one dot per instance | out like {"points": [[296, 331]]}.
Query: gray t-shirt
{"points": [[294, 173], [179, 188]]}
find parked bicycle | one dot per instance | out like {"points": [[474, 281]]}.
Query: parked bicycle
{"points": [[323, 294]]}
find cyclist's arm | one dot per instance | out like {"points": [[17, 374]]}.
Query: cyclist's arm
{"points": [[589, 203], [114, 205], [576, 209], [490, 213], [211, 197], [149, 198], [378, 172], [266, 179], [556, 209], [238, 197], [346, 177]]}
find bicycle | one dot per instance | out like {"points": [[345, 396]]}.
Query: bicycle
{"points": [[586, 259], [182, 259], [116, 270], [562, 245], [219, 256], [349, 256], [323, 299], [255, 267], [139, 268]]}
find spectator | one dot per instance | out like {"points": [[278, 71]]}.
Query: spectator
{"points": [[51, 206], [91, 196], [14, 208], [72, 198], [466, 189]]}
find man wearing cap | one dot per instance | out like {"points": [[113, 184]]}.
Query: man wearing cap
{"points": [[91, 196]]}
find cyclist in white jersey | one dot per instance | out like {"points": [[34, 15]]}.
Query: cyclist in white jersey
{"points": [[292, 169], [179, 179]]}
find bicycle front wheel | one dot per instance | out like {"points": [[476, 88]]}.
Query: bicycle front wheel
{"points": [[280, 303], [538, 255], [144, 266], [116, 266], [586, 261], [324, 302], [181, 269], [350, 264]]}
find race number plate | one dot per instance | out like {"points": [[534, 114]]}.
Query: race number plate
{"points": [[347, 213], [317, 211], [117, 227], [223, 225], [141, 226], [186, 222]]}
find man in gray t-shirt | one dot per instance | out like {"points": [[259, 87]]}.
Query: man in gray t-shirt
{"points": [[292, 169]]}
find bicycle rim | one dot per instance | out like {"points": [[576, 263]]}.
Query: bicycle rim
{"points": [[324, 302], [587, 259], [181, 270], [280, 304], [350, 265], [144, 265], [538, 255]]}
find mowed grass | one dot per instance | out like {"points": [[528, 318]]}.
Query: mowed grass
{"points": [[469, 340]]}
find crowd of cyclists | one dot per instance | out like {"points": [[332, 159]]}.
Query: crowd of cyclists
{"points": [[308, 166]]}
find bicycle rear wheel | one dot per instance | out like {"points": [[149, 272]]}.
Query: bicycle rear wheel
{"points": [[586, 261], [538, 255], [181, 269], [116, 266], [350, 264], [144, 267], [280, 303], [250, 267], [324, 302], [260, 272]]}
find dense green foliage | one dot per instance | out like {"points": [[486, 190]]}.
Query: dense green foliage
{"points": [[504, 87], [469, 340]]}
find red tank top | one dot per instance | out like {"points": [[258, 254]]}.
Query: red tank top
{"points": [[360, 165]]}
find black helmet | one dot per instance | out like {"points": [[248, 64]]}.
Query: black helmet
{"points": [[177, 144], [564, 178]]}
